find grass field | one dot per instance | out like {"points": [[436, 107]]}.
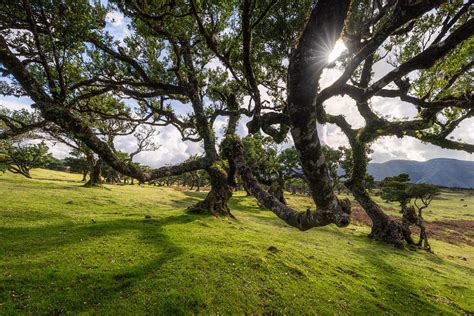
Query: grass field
{"points": [[68, 249]]}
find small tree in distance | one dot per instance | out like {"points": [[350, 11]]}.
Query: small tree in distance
{"points": [[410, 196], [20, 159]]}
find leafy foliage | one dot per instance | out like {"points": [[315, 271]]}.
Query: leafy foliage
{"points": [[399, 189], [21, 159]]}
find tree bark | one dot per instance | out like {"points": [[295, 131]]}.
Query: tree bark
{"points": [[24, 171], [84, 175], [384, 228], [216, 200], [95, 175], [244, 185], [304, 72], [233, 150]]}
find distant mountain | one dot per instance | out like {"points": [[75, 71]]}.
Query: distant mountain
{"points": [[441, 171]]}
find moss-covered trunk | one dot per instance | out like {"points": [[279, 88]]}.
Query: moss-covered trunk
{"points": [[306, 65], [216, 201], [95, 174], [384, 228]]}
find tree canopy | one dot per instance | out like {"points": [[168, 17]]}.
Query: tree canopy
{"points": [[258, 60], [21, 158]]}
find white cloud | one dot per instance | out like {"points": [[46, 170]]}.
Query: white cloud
{"points": [[59, 150], [465, 131], [329, 76], [332, 136], [117, 25], [172, 149], [394, 108], [14, 103], [388, 148], [345, 106], [115, 18]]}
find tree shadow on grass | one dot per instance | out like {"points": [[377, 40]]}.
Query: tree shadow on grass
{"points": [[401, 292], [29, 215], [31, 240], [235, 203], [241, 204], [73, 285], [197, 195], [59, 180]]}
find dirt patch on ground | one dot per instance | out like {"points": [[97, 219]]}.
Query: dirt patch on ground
{"points": [[452, 231], [359, 216], [438, 197]]}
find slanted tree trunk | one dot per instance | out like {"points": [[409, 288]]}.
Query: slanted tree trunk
{"points": [[198, 185], [244, 185], [95, 175], [305, 68], [384, 228], [216, 200], [84, 175], [233, 151], [20, 169]]}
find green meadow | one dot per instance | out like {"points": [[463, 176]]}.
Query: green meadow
{"points": [[119, 250]]}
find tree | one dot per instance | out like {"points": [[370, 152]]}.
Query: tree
{"points": [[56, 164], [423, 193], [262, 157], [15, 123], [77, 163], [82, 158], [396, 189], [114, 68], [410, 34], [278, 46], [400, 189], [20, 159]]}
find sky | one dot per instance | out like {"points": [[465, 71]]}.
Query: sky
{"points": [[173, 150]]}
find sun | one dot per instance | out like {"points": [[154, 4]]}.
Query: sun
{"points": [[338, 49]]}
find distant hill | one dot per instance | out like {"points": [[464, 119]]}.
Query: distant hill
{"points": [[441, 171]]}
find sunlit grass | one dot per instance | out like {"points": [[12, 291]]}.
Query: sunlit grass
{"points": [[65, 248]]}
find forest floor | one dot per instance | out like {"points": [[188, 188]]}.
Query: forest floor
{"points": [[134, 250]]}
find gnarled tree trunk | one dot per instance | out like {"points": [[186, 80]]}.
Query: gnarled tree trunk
{"points": [[95, 174], [20, 169], [384, 228], [233, 150], [306, 65], [216, 200]]}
